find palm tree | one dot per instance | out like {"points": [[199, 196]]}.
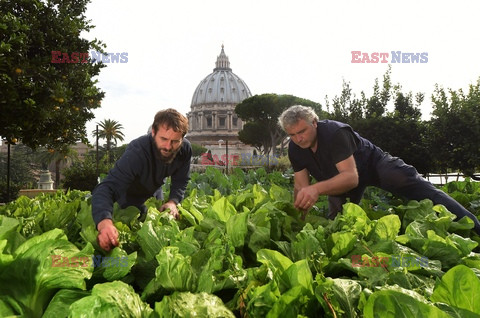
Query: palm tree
{"points": [[65, 154], [111, 130]]}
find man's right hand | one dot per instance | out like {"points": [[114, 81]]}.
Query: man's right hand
{"points": [[107, 235]]}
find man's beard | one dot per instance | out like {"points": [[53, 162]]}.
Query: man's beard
{"points": [[166, 158]]}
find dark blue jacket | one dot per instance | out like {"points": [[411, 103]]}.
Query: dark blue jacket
{"points": [[137, 175]]}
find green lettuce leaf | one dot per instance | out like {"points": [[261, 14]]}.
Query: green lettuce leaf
{"points": [[222, 210], [307, 245], [122, 265], [298, 274], [153, 236], [261, 299], [397, 302], [32, 277], [260, 195], [459, 287], [236, 228], [347, 293], [291, 303], [278, 194], [274, 260], [456, 312], [60, 303], [127, 216], [258, 230], [60, 214], [186, 304], [342, 243], [9, 307], [174, 273], [9, 232], [114, 299], [387, 227], [352, 218]]}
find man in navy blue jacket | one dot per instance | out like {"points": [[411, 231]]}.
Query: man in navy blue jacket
{"points": [[344, 164], [141, 171]]}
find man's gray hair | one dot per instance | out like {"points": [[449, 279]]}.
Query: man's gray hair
{"points": [[293, 114]]}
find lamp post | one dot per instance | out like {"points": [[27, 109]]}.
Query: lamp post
{"points": [[96, 150], [226, 152], [8, 172]]}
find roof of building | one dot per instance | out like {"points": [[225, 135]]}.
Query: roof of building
{"points": [[221, 86]]}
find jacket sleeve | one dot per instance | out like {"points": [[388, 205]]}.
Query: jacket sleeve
{"points": [[181, 176], [119, 178]]}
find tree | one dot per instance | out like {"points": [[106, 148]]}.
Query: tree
{"points": [[111, 131], [377, 104], [117, 152], [260, 112], [64, 154], [408, 132], [348, 108], [454, 129], [197, 151], [44, 103], [82, 175], [401, 132], [22, 172]]}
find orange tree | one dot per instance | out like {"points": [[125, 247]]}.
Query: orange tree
{"points": [[44, 103]]}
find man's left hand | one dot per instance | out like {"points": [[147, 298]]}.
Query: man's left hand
{"points": [[306, 198], [173, 208]]}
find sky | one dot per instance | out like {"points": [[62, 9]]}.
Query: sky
{"points": [[303, 48]]}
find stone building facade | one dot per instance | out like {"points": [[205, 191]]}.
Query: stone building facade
{"points": [[212, 118]]}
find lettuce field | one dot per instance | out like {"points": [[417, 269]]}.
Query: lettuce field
{"points": [[240, 249]]}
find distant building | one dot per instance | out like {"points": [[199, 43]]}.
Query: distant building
{"points": [[212, 118], [80, 149], [4, 147]]}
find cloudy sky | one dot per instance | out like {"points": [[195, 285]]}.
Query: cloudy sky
{"points": [[302, 47]]}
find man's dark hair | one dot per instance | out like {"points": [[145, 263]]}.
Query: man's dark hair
{"points": [[172, 119]]}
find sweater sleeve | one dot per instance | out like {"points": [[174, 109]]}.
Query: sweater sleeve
{"points": [[117, 181], [181, 176]]}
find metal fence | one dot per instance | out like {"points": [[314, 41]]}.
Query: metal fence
{"points": [[443, 178]]}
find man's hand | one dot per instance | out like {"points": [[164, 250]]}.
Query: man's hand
{"points": [[173, 208], [306, 198], [107, 235]]}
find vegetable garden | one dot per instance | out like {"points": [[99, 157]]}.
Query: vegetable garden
{"points": [[240, 249]]}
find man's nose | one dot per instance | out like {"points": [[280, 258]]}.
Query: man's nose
{"points": [[168, 145]]}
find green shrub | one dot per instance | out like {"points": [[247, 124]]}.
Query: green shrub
{"points": [[14, 190], [82, 175]]}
